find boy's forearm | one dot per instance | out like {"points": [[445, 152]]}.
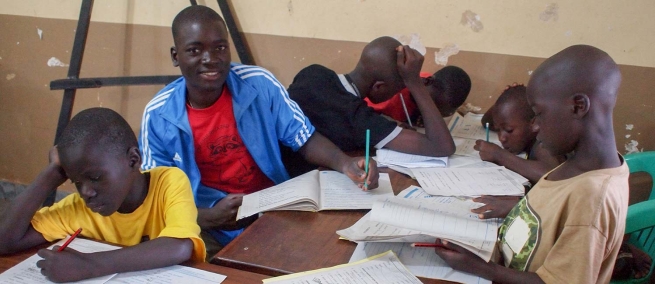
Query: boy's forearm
{"points": [[156, 253], [436, 129], [18, 216], [318, 150], [532, 170]]}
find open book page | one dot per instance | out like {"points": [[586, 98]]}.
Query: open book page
{"points": [[450, 220], [303, 188], [382, 268], [27, 272], [512, 174], [367, 230], [468, 181], [422, 262], [340, 192], [169, 275], [391, 157]]}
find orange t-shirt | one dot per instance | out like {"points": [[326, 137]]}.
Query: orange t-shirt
{"points": [[222, 158]]}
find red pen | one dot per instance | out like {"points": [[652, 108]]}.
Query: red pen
{"points": [[63, 247], [428, 245]]}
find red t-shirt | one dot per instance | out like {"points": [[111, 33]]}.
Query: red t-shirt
{"points": [[221, 156], [393, 107]]}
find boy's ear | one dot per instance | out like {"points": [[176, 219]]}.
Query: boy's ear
{"points": [[428, 81], [134, 155], [378, 87], [581, 104], [174, 56]]}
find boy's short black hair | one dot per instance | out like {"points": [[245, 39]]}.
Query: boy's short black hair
{"points": [[455, 84], [195, 13], [101, 126], [517, 94]]}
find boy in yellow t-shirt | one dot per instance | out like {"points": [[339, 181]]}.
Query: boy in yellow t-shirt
{"points": [[153, 212]]}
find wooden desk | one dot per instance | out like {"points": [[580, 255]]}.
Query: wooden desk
{"points": [[285, 242], [234, 276]]}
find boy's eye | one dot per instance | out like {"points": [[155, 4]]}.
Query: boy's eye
{"points": [[193, 50], [221, 48], [95, 179]]}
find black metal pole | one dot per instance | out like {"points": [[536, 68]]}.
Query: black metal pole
{"points": [[239, 42]]}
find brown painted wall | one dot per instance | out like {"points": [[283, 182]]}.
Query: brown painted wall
{"points": [[29, 110]]}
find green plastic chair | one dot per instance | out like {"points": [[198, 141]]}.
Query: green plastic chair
{"points": [[640, 222]]}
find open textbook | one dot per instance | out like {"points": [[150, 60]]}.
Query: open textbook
{"points": [[27, 272], [391, 157], [382, 268], [414, 216], [422, 262], [467, 181], [314, 191]]}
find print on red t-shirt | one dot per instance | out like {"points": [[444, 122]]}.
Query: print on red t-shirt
{"points": [[222, 158]]}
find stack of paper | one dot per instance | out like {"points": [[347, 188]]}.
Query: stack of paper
{"points": [[382, 268], [391, 157]]}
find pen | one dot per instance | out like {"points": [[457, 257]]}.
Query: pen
{"points": [[487, 127], [428, 245], [368, 142], [405, 108], [63, 247]]}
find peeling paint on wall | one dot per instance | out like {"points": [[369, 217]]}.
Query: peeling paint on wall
{"points": [[473, 20], [11, 76], [413, 40], [629, 126], [550, 13], [468, 107], [54, 62], [290, 7], [40, 33], [631, 147], [530, 72], [627, 136], [441, 56]]}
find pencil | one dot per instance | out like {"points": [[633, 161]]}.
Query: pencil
{"points": [[487, 127], [427, 245], [405, 108], [63, 247], [368, 142]]}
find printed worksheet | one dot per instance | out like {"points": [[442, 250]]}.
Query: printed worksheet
{"points": [[26, 271], [468, 181]]}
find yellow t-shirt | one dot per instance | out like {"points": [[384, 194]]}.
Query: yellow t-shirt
{"points": [[169, 210]]}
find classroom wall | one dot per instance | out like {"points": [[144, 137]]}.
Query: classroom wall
{"points": [[496, 42]]}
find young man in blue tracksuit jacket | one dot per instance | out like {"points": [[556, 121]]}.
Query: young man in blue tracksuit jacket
{"points": [[260, 107]]}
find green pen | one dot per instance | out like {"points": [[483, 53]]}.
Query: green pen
{"points": [[368, 142], [487, 127]]}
